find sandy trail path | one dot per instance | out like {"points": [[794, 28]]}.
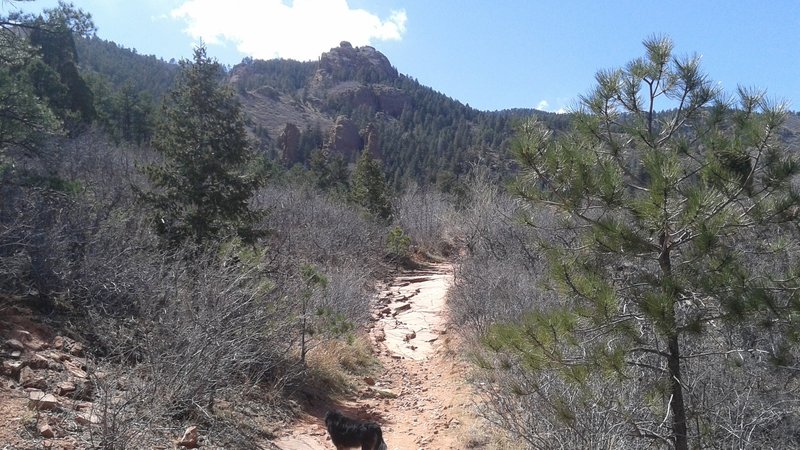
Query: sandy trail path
{"points": [[421, 398]]}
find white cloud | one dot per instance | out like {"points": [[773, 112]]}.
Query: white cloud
{"points": [[544, 105], [299, 29]]}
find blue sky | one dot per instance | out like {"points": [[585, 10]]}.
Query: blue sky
{"points": [[491, 54]]}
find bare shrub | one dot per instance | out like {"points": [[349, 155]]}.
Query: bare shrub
{"points": [[182, 335], [312, 230], [427, 216], [308, 224], [500, 277]]}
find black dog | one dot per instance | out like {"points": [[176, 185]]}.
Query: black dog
{"points": [[348, 433]]}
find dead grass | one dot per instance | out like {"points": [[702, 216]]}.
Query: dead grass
{"points": [[335, 365]]}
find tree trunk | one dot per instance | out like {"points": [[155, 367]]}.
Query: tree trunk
{"points": [[678, 407], [679, 431]]}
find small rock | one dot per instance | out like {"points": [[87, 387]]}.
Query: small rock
{"points": [[189, 438], [76, 349], [58, 342], [64, 388], [384, 393], [410, 336], [38, 361], [84, 406], [86, 418], [404, 307], [11, 369], [38, 346], [41, 401], [380, 335], [14, 344], [74, 369], [30, 379], [370, 381], [16, 354], [46, 430], [56, 355]]}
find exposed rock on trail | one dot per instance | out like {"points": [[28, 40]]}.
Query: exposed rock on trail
{"points": [[421, 398], [416, 307]]}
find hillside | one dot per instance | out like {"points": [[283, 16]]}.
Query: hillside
{"points": [[350, 98]]}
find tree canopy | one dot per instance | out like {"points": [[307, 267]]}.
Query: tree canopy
{"points": [[675, 257], [203, 187]]}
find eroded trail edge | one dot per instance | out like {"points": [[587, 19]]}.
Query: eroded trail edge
{"points": [[421, 398]]}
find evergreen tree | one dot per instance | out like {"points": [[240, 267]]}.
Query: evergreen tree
{"points": [[368, 186], [329, 170], [203, 188], [30, 85], [676, 261], [55, 75], [24, 117]]}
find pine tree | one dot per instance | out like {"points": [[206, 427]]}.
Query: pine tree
{"points": [[368, 187], [55, 76], [676, 262], [202, 189]]}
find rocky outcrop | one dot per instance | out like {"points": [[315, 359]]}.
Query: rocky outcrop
{"points": [[372, 141], [391, 100], [289, 143], [344, 138], [376, 98], [363, 64]]}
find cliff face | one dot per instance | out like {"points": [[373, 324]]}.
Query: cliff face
{"points": [[348, 63], [314, 94], [343, 138]]}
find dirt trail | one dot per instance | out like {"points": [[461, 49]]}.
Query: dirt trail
{"points": [[421, 398]]}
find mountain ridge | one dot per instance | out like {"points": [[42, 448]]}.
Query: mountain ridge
{"points": [[424, 135]]}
